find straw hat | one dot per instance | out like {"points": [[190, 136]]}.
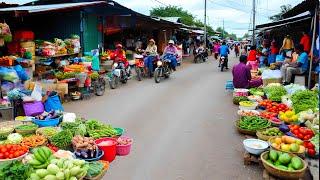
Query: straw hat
{"points": [[171, 42]]}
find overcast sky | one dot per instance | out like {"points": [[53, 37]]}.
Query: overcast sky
{"points": [[236, 14]]}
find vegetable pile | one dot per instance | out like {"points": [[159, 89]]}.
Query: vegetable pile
{"points": [[62, 139], [272, 132], [304, 100], [97, 129], [253, 123], [275, 93], [15, 170], [284, 161], [10, 151], [238, 99], [256, 91], [33, 141]]}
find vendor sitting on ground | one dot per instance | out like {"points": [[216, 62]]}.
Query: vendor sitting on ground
{"points": [[299, 67], [242, 75]]}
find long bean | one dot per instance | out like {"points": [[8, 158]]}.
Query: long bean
{"points": [[253, 123]]}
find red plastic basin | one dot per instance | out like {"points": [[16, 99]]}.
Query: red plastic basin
{"points": [[108, 146]]}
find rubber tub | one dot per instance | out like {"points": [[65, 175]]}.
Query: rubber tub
{"points": [[109, 148]]}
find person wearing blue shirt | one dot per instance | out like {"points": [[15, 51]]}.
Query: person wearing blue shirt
{"points": [[299, 67], [224, 51]]}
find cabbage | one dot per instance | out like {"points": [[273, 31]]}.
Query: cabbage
{"points": [[14, 138]]}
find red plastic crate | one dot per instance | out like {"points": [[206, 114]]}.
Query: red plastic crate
{"points": [[23, 35]]}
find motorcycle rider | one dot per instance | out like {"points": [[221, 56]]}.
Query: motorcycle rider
{"points": [[151, 52], [119, 55], [171, 52], [224, 51]]}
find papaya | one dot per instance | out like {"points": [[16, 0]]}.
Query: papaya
{"points": [[281, 167], [285, 158], [296, 163], [273, 155]]}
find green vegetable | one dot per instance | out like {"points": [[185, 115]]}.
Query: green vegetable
{"points": [[60, 176], [42, 173], [50, 177], [94, 75], [27, 127], [304, 100], [62, 139], [253, 123], [34, 176], [75, 170], [14, 170], [296, 163], [95, 168], [14, 138], [97, 129], [315, 141], [274, 93], [256, 91], [238, 99], [281, 167], [285, 158], [273, 155], [53, 169]]}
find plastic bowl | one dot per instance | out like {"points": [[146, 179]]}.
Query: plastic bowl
{"points": [[14, 159], [123, 150], [255, 146], [253, 107], [46, 123], [101, 153]]}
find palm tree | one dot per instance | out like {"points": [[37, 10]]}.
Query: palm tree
{"points": [[284, 9]]}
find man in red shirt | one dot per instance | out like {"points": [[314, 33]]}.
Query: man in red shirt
{"points": [[306, 42]]}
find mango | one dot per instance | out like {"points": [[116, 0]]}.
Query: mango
{"points": [[284, 158], [285, 147], [294, 147], [296, 163], [273, 155], [277, 140]]}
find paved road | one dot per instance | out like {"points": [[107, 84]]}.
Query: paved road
{"points": [[183, 128]]}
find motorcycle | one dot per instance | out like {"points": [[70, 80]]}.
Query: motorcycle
{"points": [[200, 55], [223, 62], [119, 74], [140, 67], [98, 86], [163, 70]]}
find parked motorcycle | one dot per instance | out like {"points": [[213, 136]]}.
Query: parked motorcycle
{"points": [[139, 67], [223, 62], [200, 55], [98, 86], [163, 70], [118, 74]]}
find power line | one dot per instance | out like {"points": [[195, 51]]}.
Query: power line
{"points": [[160, 2]]}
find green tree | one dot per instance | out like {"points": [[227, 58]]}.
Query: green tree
{"points": [[284, 9], [174, 11]]}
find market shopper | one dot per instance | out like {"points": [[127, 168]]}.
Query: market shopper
{"points": [[274, 51], [171, 52], [299, 67], [252, 57], [242, 75], [224, 51], [287, 44], [119, 55], [216, 48], [306, 42], [151, 52]]}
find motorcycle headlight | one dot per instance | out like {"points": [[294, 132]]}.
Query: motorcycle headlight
{"points": [[159, 63], [115, 65]]}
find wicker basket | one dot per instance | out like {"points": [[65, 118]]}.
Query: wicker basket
{"points": [[296, 153], [39, 131], [100, 176], [4, 135], [245, 131], [26, 132], [262, 136], [283, 173]]}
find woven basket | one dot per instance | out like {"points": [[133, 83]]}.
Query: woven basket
{"points": [[269, 81], [245, 131], [283, 173], [100, 176], [262, 136], [4, 135], [39, 131], [296, 153], [27, 132]]}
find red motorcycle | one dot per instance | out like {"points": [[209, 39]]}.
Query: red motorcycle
{"points": [[139, 66]]}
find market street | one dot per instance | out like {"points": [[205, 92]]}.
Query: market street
{"points": [[183, 128]]}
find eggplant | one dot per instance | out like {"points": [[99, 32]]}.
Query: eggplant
{"points": [[290, 134], [78, 153], [84, 154], [284, 128]]}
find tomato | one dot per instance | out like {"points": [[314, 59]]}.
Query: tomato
{"points": [[295, 127], [311, 152], [310, 146], [295, 132], [1, 156], [3, 149], [302, 131], [300, 136], [6, 154], [309, 131]]}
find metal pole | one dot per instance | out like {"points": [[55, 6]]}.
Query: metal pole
{"points": [[222, 28], [312, 45], [253, 21], [205, 23]]}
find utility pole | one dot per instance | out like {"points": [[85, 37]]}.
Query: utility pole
{"points": [[205, 23], [253, 21], [222, 28]]}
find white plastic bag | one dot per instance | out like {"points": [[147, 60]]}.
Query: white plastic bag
{"points": [[69, 117], [37, 92]]}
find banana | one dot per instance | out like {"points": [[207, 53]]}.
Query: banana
{"points": [[42, 166], [42, 154], [47, 151], [35, 162]]}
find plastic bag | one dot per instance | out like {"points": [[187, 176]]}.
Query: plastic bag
{"points": [[53, 103], [33, 108], [21, 73], [37, 92], [69, 117], [9, 74]]}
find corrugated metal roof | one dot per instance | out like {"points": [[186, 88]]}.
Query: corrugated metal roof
{"points": [[50, 7]]}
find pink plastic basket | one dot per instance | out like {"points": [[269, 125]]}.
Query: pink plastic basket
{"points": [[123, 150]]}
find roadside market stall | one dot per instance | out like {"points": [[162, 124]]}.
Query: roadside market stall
{"points": [[281, 125], [59, 145]]}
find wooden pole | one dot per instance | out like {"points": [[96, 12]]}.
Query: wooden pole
{"points": [[312, 45]]}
